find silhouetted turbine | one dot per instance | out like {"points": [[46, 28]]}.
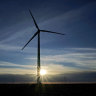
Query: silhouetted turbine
{"points": [[38, 53]]}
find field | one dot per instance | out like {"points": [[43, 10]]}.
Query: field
{"points": [[78, 89]]}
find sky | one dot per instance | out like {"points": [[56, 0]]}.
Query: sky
{"points": [[74, 52]]}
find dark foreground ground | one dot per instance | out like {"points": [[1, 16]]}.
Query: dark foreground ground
{"points": [[48, 90]]}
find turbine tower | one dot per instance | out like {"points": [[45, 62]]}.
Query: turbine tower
{"points": [[38, 50]]}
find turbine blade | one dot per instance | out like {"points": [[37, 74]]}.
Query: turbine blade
{"points": [[52, 32], [30, 40], [33, 19]]}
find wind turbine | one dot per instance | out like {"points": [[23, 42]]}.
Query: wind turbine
{"points": [[38, 53]]}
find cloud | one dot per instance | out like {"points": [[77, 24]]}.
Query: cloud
{"points": [[60, 78], [72, 60], [84, 58], [16, 71], [54, 69], [9, 64], [14, 48], [31, 69], [85, 49], [72, 15], [11, 68], [61, 19], [9, 47]]}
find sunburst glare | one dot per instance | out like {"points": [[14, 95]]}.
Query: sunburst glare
{"points": [[43, 72]]}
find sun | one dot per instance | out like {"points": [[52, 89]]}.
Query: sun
{"points": [[43, 72]]}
